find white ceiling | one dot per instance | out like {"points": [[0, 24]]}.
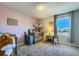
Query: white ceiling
{"points": [[50, 8]]}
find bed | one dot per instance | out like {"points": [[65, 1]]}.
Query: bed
{"points": [[8, 46]]}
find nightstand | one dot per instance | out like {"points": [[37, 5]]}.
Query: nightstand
{"points": [[50, 39]]}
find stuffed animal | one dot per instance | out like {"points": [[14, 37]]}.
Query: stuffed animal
{"points": [[5, 39]]}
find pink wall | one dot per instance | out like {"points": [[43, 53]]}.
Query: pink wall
{"points": [[24, 22]]}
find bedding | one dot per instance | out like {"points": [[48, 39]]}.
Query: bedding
{"points": [[4, 40], [7, 43], [8, 49], [1, 33]]}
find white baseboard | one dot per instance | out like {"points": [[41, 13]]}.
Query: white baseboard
{"points": [[20, 44], [74, 45]]}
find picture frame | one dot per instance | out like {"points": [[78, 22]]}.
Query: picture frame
{"points": [[11, 21]]}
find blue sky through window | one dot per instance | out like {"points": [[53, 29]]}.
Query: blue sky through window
{"points": [[63, 23]]}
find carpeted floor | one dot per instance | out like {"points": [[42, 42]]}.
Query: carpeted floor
{"points": [[47, 49]]}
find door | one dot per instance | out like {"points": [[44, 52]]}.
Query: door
{"points": [[63, 25]]}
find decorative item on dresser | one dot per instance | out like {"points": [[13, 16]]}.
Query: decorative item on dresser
{"points": [[38, 33]]}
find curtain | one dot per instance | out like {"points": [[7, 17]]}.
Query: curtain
{"points": [[75, 27], [62, 38]]}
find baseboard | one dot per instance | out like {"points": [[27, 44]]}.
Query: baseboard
{"points": [[74, 45], [20, 44]]}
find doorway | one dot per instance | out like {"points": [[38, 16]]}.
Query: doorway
{"points": [[63, 25]]}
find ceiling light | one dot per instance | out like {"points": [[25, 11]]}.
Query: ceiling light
{"points": [[40, 7]]}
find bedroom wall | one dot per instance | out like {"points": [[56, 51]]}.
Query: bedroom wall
{"points": [[45, 23], [24, 22]]}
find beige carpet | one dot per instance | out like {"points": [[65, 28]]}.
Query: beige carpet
{"points": [[47, 49]]}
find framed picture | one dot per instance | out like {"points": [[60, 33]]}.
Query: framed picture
{"points": [[11, 21]]}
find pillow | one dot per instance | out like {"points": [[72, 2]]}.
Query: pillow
{"points": [[1, 37], [5, 40], [1, 33], [8, 49], [8, 52], [1, 40], [14, 45]]}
